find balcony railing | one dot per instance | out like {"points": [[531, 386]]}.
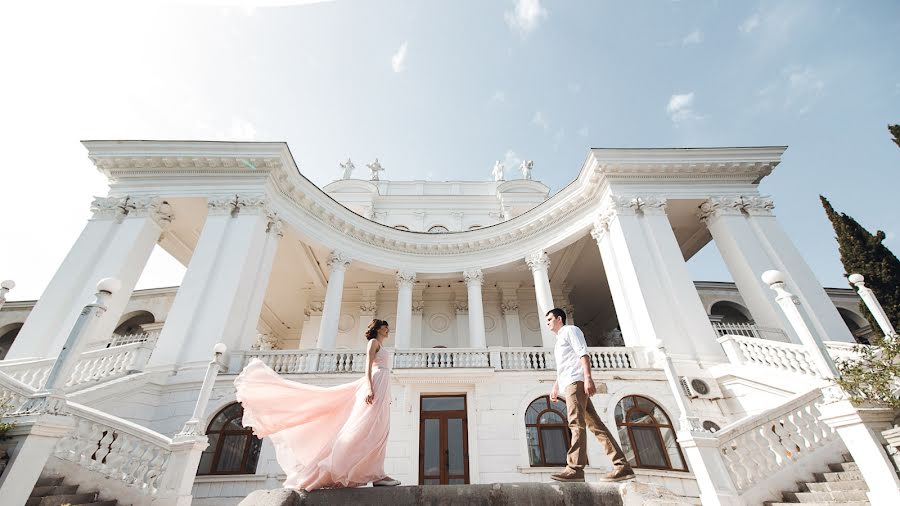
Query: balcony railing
{"points": [[499, 359], [750, 330]]}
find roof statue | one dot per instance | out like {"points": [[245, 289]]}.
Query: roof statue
{"points": [[375, 167], [526, 167], [347, 169], [498, 171]]}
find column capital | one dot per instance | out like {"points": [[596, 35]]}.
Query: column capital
{"points": [[153, 207], [714, 207], [538, 261], [255, 203], [418, 306], [758, 205], [338, 261], [314, 308], [275, 225], [109, 208], [473, 277], [234, 203], [368, 308], [405, 278], [509, 306], [461, 306]]}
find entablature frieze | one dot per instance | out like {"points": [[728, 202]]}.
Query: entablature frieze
{"points": [[270, 168]]}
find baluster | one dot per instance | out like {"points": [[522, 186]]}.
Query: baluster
{"points": [[117, 456], [765, 455]]}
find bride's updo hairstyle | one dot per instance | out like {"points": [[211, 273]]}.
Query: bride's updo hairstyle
{"points": [[372, 329]]}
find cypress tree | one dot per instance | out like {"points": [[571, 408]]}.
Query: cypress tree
{"points": [[863, 253], [895, 131]]}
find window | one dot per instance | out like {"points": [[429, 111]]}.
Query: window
{"points": [[438, 229], [547, 432], [233, 449], [647, 435]]}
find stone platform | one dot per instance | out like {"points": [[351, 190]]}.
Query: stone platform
{"points": [[500, 494]]}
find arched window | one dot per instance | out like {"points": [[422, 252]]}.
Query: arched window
{"points": [[7, 335], [647, 435], [730, 312], [438, 229], [547, 432], [132, 323], [232, 449]]}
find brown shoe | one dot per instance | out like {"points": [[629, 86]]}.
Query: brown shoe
{"points": [[619, 474], [569, 475]]}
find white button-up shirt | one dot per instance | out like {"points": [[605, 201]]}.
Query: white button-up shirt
{"points": [[570, 347]]}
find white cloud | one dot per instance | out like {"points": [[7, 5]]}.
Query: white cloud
{"points": [[526, 16], [511, 160], [805, 88], [692, 38], [749, 24], [539, 120], [681, 108], [398, 61]]}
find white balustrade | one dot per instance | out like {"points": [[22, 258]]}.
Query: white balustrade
{"points": [[284, 361], [115, 448], [140, 337], [93, 366], [342, 361], [13, 395], [441, 358], [750, 330], [757, 447], [788, 357]]}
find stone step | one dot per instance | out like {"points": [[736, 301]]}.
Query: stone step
{"points": [[834, 486], [844, 466], [49, 481], [844, 503], [59, 500], [498, 494], [838, 476], [54, 490], [847, 457], [838, 496]]}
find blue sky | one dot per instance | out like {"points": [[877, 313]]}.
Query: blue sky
{"points": [[441, 89]]}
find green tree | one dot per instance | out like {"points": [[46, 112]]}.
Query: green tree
{"points": [[863, 253], [895, 131]]}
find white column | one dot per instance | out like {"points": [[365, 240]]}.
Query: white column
{"points": [[260, 283], [509, 307], [418, 308], [871, 301], [116, 242], [215, 292], [539, 263], [403, 329], [310, 335], [787, 258], [746, 259], [649, 280], [474, 279], [337, 264]]}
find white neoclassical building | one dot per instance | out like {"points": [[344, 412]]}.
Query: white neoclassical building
{"points": [[715, 389]]}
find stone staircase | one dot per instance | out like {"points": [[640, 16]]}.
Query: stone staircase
{"points": [[843, 486], [52, 491]]}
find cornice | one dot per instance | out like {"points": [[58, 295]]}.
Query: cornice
{"points": [[299, 202]]}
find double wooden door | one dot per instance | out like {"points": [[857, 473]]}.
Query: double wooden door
{"points": [[443, 441]]}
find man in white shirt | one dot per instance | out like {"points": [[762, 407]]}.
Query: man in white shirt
{"points": [[573, 377]]}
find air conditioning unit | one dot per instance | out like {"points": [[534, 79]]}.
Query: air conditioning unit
{"points": [[697, 388]]}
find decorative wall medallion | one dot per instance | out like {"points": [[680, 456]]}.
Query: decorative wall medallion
{"points": [[346, 323], [439, 322], [532, 322], [489, 323]]}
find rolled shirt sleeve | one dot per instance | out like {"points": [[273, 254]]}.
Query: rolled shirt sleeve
{"points": [[576, 339]]}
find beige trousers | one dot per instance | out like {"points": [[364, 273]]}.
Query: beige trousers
{"points": [[581, 414]]}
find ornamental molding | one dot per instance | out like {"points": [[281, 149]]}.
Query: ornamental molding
{"points": [[473, 277], [736, 205], [461, 307], [130, 164], [538, 261], [236, 203], [145, 206], [369, 307], [315, 308], [418, 306]]}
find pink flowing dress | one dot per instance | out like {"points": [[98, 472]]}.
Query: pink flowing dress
{"points": [[324, 437]]}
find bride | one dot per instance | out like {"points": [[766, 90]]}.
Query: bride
{"points": [[324, 437]]}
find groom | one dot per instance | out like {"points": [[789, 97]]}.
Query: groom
{"points": [[573, 375]]}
